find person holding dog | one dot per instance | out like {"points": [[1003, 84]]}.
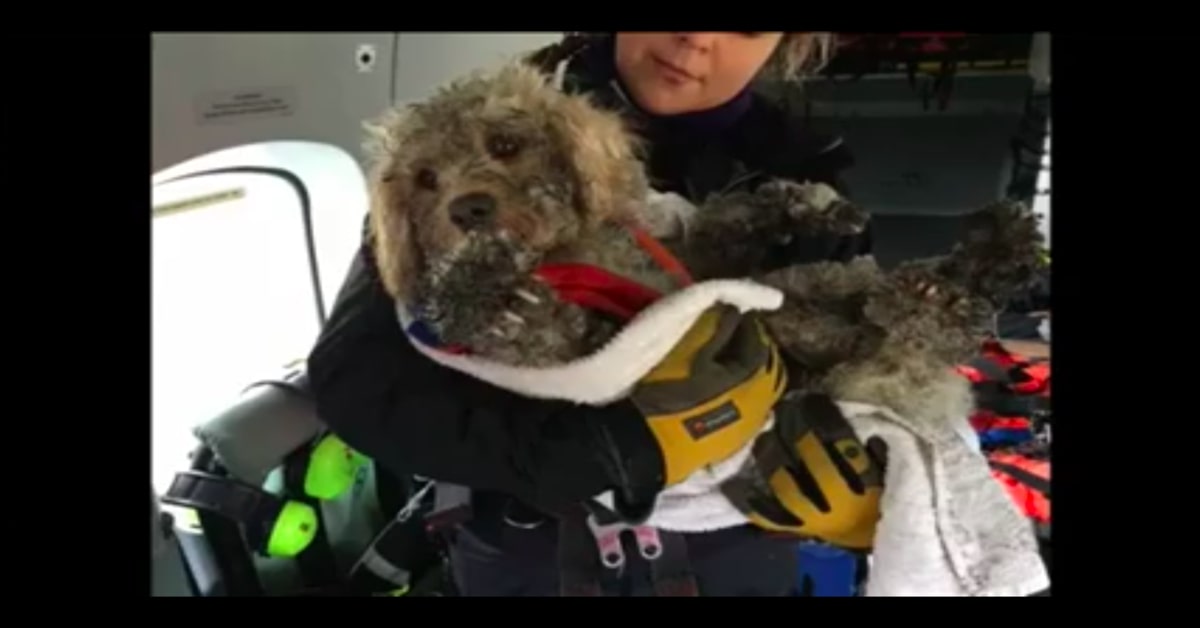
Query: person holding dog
{"points": [[526, 460]]}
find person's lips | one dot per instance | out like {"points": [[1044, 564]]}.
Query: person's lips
{"points": [[673, 72]]}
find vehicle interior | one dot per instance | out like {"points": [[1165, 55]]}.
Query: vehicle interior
{"points": [[259, 196]]}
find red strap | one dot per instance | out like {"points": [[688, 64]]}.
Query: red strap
{"points": [[1011, 423], [971, 373], [1027, 481], [1039, 468], [1039, 377], [1039, 371], [984, 420], [594, 288], [1032, 502], [996, 352], [597, 289], [662, 256]]}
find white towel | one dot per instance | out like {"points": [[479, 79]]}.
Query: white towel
{"points": [[947, 527]]}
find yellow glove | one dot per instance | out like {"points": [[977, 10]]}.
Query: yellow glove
{"points": [[811, 476], [713, 393]]}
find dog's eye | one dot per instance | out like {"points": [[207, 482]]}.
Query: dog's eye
{"points": [[427, 179], [502, 146]]}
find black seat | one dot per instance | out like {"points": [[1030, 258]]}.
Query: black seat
{"points": [[254, 443], [170, 576]]}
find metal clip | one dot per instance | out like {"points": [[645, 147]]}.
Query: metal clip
{"points": [[413, 504], [608, 542], [649, 544]]}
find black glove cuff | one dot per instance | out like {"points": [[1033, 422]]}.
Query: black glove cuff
{"points": [[633, 459]]}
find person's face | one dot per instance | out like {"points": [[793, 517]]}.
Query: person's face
{"points": [[673, 73]]}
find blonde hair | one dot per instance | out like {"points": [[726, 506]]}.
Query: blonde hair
{"points": [[801, 55]]}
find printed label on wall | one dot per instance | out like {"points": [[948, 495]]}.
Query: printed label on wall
{"points": [[245, 104]]}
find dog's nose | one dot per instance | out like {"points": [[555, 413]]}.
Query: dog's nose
{"points": [[472, 211]]}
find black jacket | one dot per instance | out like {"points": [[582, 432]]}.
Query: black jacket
{"points": [[416, 417]]}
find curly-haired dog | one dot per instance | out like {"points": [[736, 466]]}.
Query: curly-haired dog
{"points": [[497, 174], [891, 337]]}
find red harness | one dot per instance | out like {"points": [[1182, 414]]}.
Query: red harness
{"points": [[1035, 376], [597, 289]]}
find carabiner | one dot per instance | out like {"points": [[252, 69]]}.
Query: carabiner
{"points": [[608, 541]]}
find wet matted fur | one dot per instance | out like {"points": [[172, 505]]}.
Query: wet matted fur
{"points": [[499, 172]]}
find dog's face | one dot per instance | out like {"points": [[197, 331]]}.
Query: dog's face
{"points": [[490, 174]]}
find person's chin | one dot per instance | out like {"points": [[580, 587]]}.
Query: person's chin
{"points": [[666, 102]]}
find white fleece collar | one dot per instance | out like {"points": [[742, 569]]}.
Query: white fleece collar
{"points": [[608, 374]]}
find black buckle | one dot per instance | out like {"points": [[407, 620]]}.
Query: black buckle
{"points": [[250, 506], [451, 507]]}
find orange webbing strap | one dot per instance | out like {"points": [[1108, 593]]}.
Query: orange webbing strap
{"points": [[1027, 481], [661, 256]]}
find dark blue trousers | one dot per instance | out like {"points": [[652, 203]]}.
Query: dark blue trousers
{"points": [[739, 561]]}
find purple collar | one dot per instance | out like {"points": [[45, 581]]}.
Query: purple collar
{"points": [[711, 121]]}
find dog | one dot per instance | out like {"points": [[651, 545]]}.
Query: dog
{"points": [[500, 173]]}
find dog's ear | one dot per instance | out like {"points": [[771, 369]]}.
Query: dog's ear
{"points": [[605, 157], [389, 219], [391, 239]]}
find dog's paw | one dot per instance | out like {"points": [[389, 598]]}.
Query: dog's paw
{"points": [[847, 218], [534, 328], [528, 303], [1002, 251], [949, 298], [926, 293], [534, 321], [1008, 223], [814, 207], [667, 215]]}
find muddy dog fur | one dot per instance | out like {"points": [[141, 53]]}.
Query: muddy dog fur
{"points": [[499, 172]]}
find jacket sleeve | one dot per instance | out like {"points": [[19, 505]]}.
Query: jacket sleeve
{"points": [[416, 417]]}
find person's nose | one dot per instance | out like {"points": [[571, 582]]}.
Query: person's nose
{"points": [[701, 42]]}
